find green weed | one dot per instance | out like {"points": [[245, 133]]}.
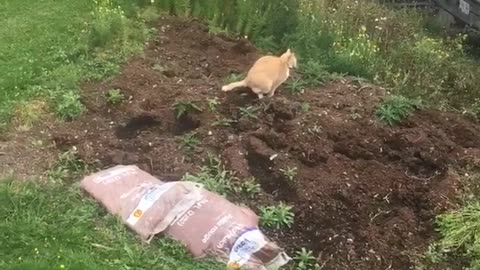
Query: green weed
{"points": [[215, 177], [115, 96], [305, 107], [234, 77], [68, 106], [277, 216], [304, 260], [223, 122], [213, 104], [183, 108], [249, 112], [189, 141], [394, 109], [296, 86], [67, 167], [290, 173], [314, 73]]}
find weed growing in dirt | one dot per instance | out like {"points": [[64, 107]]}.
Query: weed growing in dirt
{"points": [[305, 107], [215, 177], [213, 104], [115, 96], [68, 106], [249, 112], [304, 260], [57, 227], [189, 141], [296, 86], [223, 122], [183, 108], [234, 77], [248, 188], [396, 108], [460, 231], [67, 167], [314, 73], [290, 173], [277, 216]]}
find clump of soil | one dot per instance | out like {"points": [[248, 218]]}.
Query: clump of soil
{"points": [[365, 194]]}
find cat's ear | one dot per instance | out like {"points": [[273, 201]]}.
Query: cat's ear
{"points": [[289, 51]]}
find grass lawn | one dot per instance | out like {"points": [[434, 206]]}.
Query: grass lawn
{"points": [[47, 47], [55, 226]]}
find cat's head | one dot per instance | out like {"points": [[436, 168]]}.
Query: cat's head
{"points": [[290, 58]]}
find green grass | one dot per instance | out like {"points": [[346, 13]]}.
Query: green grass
{"points": [[49, 46], [55, 226]]}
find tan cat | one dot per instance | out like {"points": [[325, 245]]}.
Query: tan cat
{"points": [[267, 74]]}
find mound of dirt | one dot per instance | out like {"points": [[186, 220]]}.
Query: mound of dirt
{"points": [[365, 194]]}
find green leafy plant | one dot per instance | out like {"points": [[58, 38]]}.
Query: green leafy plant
{"points": [[182, 108], [305, 107], [304, 260], [248, 188], [213, 104], [290, 173], [394, 109], [313, 73], [223, 122], [296, 86], [115, 96], [67, 167], [68, 106], [189, 141], [277, 216], [214, 176], [234, 77], [249, 112]]}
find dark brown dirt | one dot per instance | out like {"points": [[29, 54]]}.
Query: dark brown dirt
{"points": [[365, 195]]}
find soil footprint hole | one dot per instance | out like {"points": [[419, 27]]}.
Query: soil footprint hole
{"points": [[135, 125]]}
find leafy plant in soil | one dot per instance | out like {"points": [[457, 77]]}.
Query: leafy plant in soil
{"points": [[304, 260], [189, 141], [115, 96], [67, 167], [234, 77], [249, 112], [213, 104], [277, 216], [313, 73], [68, 106], [394, 109], [296, 86], [305, 107], [183, 107], [290, 173], [215, 177], [223, 122]]}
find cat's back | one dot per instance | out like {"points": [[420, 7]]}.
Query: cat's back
{"points": [[270, 65]]}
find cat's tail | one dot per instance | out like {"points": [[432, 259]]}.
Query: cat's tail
{"points": [[234, 85]]}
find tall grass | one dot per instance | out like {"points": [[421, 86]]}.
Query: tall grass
{"points": [[360, 38]]}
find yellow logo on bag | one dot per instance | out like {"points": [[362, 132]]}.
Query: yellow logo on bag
{"points": [[138, 213], [233, 265]]}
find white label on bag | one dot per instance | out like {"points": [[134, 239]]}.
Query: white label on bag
{"points": [[245, 246], [150, 196]]}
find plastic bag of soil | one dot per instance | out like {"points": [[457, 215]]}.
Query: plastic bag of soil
{"points": [[206, 223]]}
